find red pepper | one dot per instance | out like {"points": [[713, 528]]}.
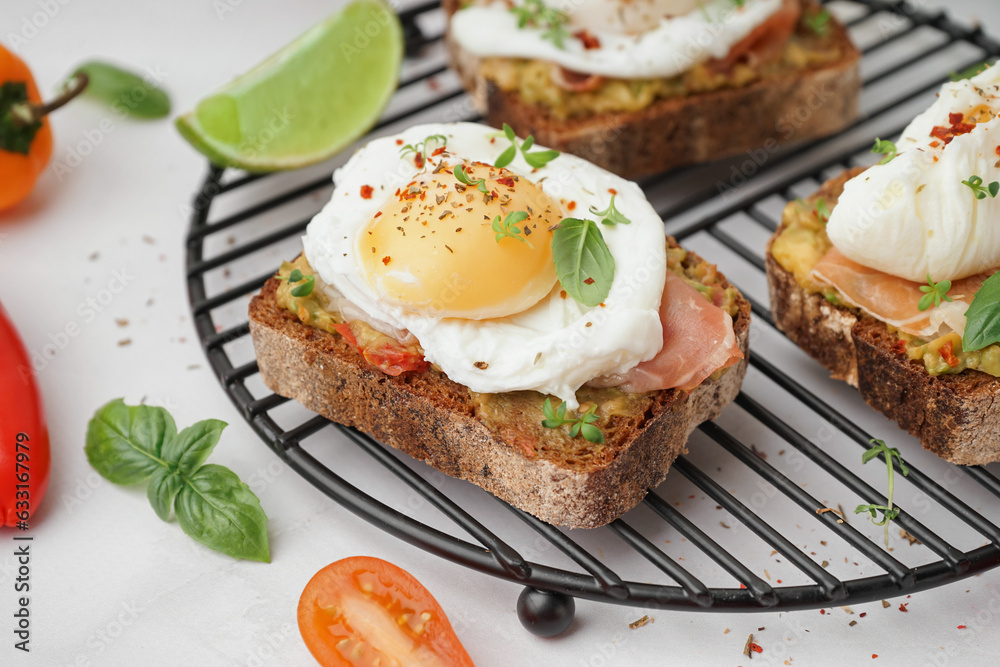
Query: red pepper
{"points": [[24, 436], [948, 354]]}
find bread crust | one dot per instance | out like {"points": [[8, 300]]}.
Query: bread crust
{"points": [[433, 419], [953, 416], [673, 132]]}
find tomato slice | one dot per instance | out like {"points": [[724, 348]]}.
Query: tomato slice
{"points": [[366, 612]]}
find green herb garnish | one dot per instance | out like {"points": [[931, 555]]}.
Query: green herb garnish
{"points": [[976, 183], [463, 177], [537, 14], [888, 512], [424, 146], [509, 229], [537, 159], [969, 72], [821, 210], [306, 288], [886, 148], [125, 92], [133, 444], [982, 319], [819, 22], [611, 215], [934, 292], [583, 262], [583, 424]]}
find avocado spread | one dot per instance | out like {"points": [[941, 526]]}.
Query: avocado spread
{"points": [[517, 416], [532, 79], [803, 242]]}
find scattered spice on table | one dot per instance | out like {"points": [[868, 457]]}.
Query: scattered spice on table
{"points": [[902, 606], [746, 647], [645, 620], [885, 604]]}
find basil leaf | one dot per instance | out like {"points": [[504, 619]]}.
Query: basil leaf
{"points": [[215, 508], [125, 91], [982, 325], [583, 262], [190, 448], [162, 490], [124, 443]]}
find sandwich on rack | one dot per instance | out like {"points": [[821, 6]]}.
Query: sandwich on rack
{"points": [[886, 275], [513, 316], [641, 86]]}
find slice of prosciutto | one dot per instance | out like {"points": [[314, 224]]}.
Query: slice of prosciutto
{"points": [[698, 340], [894, 300]]}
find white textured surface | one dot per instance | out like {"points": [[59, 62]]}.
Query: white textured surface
{"points": [[112, 585]]}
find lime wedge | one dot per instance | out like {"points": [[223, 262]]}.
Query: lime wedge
{"points": [[307, 101]]}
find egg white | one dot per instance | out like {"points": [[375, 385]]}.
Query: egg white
{"points": [[674, 46], [554, 347], [913, 216]]}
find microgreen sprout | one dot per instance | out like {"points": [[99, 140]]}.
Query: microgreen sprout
{"points": [[584, 424], [537, 159], [537, 14], [306, 288], [885, 148], [821, 210], [422, 147], [934, 292], [509, 229], [976, 183], [888, 512], [611, 215], [479, 183], [819, 22]]}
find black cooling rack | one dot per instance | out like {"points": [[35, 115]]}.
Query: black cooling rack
{"points": [[664, 553]]}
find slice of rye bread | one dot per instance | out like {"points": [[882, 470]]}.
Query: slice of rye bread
{"points": [[434, 419], [672, 132], [954, 416]]}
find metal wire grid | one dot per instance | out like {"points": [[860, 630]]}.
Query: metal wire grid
{"points": [[695, 213]]}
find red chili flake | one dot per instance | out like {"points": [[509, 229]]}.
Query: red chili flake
{"points": [[612, 191], [899, 347], [947, 353], [378, 214], [862, 614], [778, 580], [756, 648], [998, 150], [562, 293], [570, 206], [902, 606], [602, 305], [386, 260], [823, 611], [366, 191], [493, 140], [961, 627], [418, 160], [506, 180], [874, 655], [590, 281], [692, 495], [935, 144], [955, 118], [399, 142], [589, 41], [438, 151], [742, 586]]}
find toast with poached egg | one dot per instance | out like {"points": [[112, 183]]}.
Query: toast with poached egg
{"points": [[528, 329], [642, 87], [884, 275]]}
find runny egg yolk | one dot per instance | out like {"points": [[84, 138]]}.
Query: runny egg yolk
{"points": [[432, 249]]}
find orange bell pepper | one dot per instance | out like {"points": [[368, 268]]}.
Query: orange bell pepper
{"points": [[25, 135]]}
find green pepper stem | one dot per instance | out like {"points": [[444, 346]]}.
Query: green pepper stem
{"points": [[29, 113]]}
